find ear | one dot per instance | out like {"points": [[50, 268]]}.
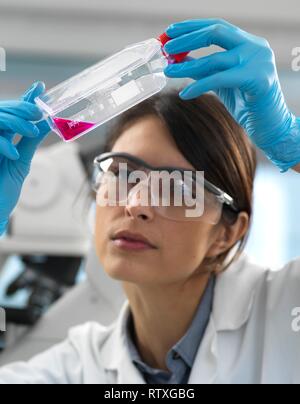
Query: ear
{"points": [[227, 236]]}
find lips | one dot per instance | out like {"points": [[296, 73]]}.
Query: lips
{"points": [[132, 240]]}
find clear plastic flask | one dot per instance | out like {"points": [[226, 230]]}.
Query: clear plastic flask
{"points": [[105, 90]]}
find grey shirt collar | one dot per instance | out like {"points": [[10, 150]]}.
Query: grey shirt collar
{"points": [[181, 357]]}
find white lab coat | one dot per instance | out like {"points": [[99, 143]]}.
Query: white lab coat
{"points": [[249, 339]]}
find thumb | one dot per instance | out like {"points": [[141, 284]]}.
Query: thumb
{"points": [[27, 147], [34, 91]]}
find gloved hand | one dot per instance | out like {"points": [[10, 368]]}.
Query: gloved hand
{"points": [[15, 160], [245, 78]]}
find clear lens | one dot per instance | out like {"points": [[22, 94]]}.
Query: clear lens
{"points": [[119, 182]]}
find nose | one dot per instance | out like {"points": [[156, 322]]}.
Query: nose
{"points": [[138, 204]]}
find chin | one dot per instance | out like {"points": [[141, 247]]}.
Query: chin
{"points": [[124, 276], [125, 270]]}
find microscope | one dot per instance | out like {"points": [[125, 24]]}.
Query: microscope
{"points": [[48, 233]]}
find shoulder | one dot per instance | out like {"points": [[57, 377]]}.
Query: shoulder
{"points": [[276, 283], [246, 285], [284, 285], [90, 336], [252, 274], [74, 361], [276, 290]]}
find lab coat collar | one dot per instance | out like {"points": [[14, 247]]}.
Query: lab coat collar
{"points": [[233, 301], [115, 355]]}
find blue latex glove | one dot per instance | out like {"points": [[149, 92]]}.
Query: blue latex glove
{"points": [[245, 78], [15, 160]]}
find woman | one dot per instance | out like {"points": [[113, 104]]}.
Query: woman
{"points": [[198, 311]]}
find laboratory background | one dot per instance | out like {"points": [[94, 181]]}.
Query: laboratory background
{"points": [[50, 278]]}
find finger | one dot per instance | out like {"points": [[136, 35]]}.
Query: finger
{"points": [[206, 66], [27, 147], [228, 79], [7, 149], [21, 109], [34, 91], [219, 35], [18, 125], [185, 27], [7, 134], [188, 59]]}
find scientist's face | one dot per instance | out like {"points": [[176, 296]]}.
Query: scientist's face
{"points": [[178, 248]]}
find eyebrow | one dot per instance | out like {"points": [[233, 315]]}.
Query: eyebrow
{"points": [[150, 166]]}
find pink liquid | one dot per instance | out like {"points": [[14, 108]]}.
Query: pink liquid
{"points": [[71, 129]]}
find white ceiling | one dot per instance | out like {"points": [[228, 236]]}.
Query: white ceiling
{"points": [[94, 28]]}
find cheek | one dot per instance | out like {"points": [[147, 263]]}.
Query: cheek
{"points": [[187, 245], [102, 228]]}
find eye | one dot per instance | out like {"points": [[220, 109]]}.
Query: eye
{"points": [[115, 170], [121, 173], [182, 187]]}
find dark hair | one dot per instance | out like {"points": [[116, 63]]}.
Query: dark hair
{"points": [[211, 140]]}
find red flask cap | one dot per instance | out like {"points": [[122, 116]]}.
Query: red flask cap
{"points": [[164, 38]]}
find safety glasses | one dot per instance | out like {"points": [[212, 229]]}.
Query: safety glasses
{"points": [[121, 179]]}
